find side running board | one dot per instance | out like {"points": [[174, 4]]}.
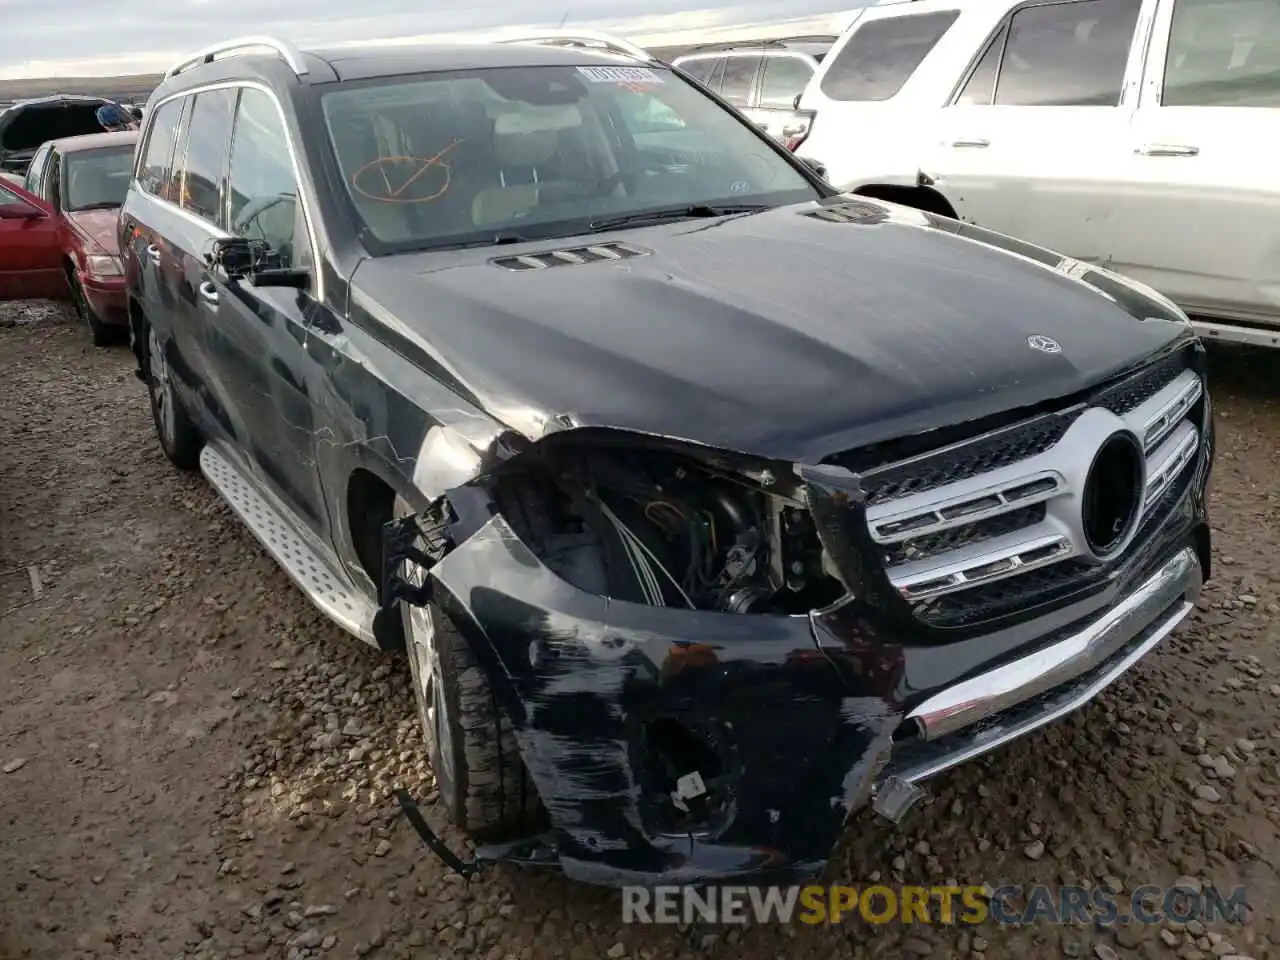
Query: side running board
{"points": [[310, 565]]}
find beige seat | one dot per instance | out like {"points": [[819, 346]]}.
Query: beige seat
{"points": [[517, 157]]}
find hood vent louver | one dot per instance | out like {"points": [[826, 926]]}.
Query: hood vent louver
{"points": [[593, 253], [850, 211]]}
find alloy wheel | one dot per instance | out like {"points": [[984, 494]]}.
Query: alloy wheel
{"points": [[161, 389]]}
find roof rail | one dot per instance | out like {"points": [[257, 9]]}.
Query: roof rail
{"points": [[588, 38], [287, 51]]}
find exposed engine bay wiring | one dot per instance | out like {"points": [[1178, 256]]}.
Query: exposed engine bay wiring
{"points": [[666, 531]]}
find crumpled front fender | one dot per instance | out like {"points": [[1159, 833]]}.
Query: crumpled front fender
{"points": [[617, 705]]}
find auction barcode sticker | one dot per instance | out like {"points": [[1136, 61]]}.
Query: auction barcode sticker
{"points": [[619, 75]]}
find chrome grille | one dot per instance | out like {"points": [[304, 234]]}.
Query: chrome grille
{"points": [[977, 525]]}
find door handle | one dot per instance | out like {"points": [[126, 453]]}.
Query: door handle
{"points": [[1167, 150], [209, 293], [974, 142], [154, 253]]}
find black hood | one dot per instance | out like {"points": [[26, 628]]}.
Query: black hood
{"points": [[779, 334]]}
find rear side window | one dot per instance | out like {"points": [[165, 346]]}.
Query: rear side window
{"points": [[1067, 54], [158, 158], [701, 70], [784, 78], [35, 172], [1223, 53], [883, 54], [203, 169], [739, 75]]}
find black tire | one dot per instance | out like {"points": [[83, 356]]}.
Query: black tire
{"points": [[179, 438], [479, 773], [103, 334]]}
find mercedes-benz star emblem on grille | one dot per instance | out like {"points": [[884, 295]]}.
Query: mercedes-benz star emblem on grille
{"points": [[1044, 344]]}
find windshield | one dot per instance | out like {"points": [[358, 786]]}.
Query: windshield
{"points": [[534, 152], [97, 179]]}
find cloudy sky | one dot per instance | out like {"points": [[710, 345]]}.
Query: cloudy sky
{"points": [[110, 37]]}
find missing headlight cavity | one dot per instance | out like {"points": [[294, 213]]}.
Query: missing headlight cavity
{"points": [[655, 527]]}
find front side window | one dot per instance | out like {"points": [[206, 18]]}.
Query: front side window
{"points": [[980, 88], [1223, 53], [262, 189], [97, 179], [784, 79], [882, 55], [739, 75], [205, 160], [1067, 54], [157, 160], [541, 151]]}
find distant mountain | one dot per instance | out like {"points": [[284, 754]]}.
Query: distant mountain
{"points": [[136, 87], [139, 86]]}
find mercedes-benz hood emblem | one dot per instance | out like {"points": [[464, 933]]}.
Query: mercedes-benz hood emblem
{"points": [[1038, 341]]}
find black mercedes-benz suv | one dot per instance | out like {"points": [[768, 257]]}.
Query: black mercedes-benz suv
{"points": [[708, 504]]}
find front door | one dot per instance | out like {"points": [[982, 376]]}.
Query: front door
{"points": [[782, 80], [1033, 143], [30, 247], [255, 337], [1202, 162]]}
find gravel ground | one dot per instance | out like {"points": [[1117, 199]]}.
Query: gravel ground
{"points": [[195, 764]]}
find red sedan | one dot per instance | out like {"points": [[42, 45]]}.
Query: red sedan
{"points": [[58, 230]]}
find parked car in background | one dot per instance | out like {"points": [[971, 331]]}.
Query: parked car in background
{"points": [[709, 504], [27, 124], [1136, 134], [763, 79], [61, 240]]}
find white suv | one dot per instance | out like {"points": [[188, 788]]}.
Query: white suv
{"points": [[1141, 135]]}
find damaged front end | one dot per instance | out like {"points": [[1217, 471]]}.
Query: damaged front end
{"points": [[707, 668]]}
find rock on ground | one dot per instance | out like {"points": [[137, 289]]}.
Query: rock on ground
{"points": [[208, 762]]}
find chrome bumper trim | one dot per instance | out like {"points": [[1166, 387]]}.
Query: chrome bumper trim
{"points": [[1137, 617]]}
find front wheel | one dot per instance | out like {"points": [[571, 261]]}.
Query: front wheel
{"points": [[471, 744], [179, 438]]}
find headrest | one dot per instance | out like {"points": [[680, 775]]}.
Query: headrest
{"points": [[525, 149], [531, 119]]}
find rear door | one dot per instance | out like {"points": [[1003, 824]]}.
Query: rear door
{"points": [[150, 265], [1034, 143], [878, 91], [30, 247], [1203, 179]]}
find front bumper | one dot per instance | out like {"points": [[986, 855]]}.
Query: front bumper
{"points": [[791, 723], [107, 299]]}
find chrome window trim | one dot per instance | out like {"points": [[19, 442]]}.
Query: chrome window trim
{"points": [[317, 272]]}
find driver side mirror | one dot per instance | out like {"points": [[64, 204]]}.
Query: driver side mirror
{"points": [[20, 210], [253, 260]]}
